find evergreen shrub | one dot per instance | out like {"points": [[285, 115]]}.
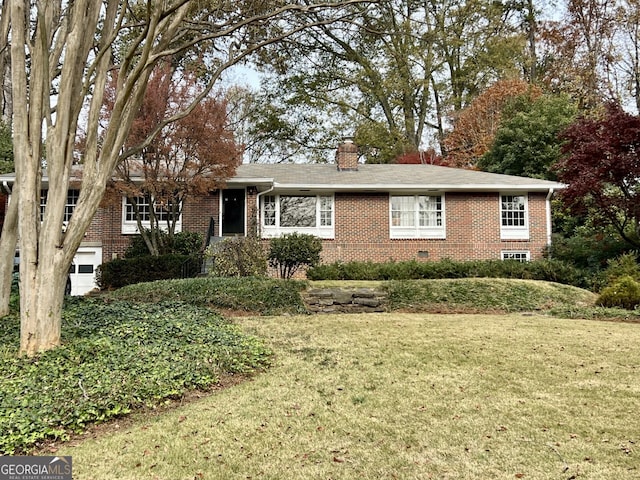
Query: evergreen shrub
{"points": [[623, 293], [183, 243], [546, 269], [293, 251], [237, 257], [127, 271]]}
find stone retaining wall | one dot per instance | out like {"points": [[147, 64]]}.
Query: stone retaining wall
{"points": [[345, 300]]}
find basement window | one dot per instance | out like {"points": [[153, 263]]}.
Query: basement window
{"points": [[518, 256]]}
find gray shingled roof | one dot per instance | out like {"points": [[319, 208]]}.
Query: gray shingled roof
{"points": [[374, 177], [382, 178]]}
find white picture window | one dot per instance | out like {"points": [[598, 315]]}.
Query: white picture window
{"points": [[417, 216], [514, 217], [313, 214]]}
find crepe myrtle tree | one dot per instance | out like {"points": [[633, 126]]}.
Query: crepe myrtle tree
{"points": [[63, 55]]}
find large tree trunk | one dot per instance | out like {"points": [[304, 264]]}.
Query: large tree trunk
{"points": [[66, 37], [41, 297]]}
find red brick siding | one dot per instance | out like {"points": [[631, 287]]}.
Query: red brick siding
{"points": [[362, 228], [472, 226], [196, 214]]}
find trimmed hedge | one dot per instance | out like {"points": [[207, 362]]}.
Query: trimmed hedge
{"points": [[265, 296], [549, 270], [127, 271], [293, 251], [182, 243]]}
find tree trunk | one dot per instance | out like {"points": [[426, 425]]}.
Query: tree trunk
{"points": [[8, 242], [530, 26], [41, 297]]}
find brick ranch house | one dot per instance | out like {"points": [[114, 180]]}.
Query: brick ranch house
{"points": [[365, 212]]}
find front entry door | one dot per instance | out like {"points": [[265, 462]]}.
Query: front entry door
{"points": [[233, 207]]}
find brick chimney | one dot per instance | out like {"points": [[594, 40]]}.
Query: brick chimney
{"points": [[347, 156]]}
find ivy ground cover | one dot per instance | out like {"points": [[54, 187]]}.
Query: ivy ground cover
{"points": [[116, 357]]}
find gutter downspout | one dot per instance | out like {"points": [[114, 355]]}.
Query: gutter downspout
{"points": [[5, 187], [258, 196], [548, 209]]}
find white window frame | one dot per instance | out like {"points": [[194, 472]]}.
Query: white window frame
{"points": [[130, 226], [415, 230], [70, 205], [513, 232], [273, 201], [517, 255]]}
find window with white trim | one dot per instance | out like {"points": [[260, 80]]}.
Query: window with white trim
{"points": [[417, 216], [517, 255], [69, 207], [144, 205], [514, 217], [313, 214]]}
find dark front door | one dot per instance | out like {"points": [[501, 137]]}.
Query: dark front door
{"points": [[233, 212]]}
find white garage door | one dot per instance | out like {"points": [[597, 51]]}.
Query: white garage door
{"points": [[83, 270]]}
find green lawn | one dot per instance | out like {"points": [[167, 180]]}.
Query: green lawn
{"points": [[409, 396]]}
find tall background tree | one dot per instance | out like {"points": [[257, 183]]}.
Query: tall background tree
{"points": [[63, 55], [579, 51], [390, 75], [527, 141], [627, 38], [475, 127]]}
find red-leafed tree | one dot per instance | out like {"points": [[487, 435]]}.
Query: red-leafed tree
{"points": [[601, 167], [428, 157], [185, 158]]}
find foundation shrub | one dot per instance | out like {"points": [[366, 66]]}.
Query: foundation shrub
{"points": [[127, 271], [289, 253], [237, 257], [551, 270], [183, 243]]}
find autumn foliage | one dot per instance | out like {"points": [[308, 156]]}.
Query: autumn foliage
{"points": [[190, 156], [475, 127], [602, 170], [428, 157]]}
